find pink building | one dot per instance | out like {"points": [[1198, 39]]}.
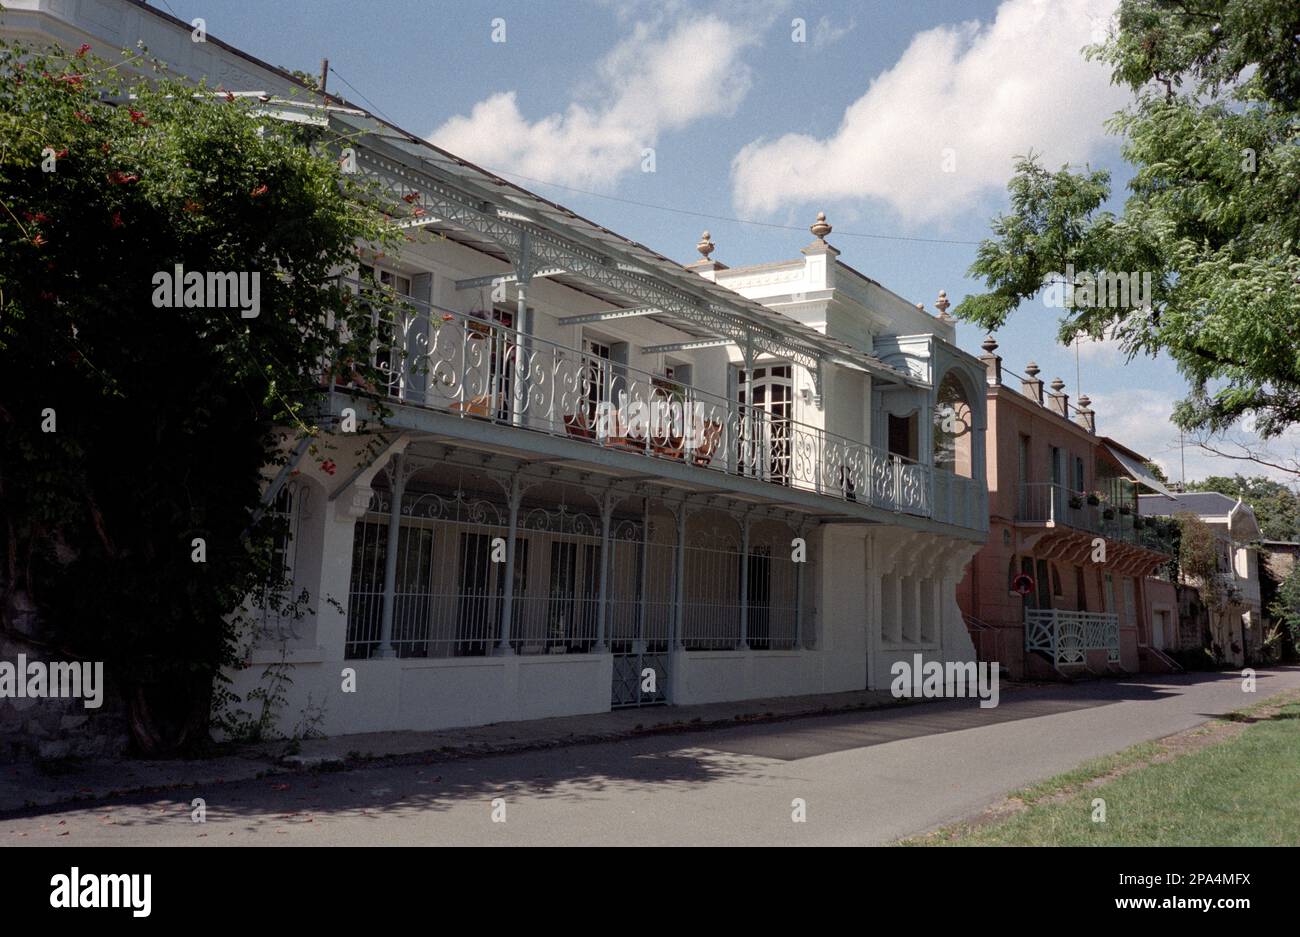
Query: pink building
{"points": [[1067, 580]]}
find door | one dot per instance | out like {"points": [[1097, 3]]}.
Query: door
{"points": [[766, 397], [1158, 630], [1058, 484], [501, 366], [1023, 477]]}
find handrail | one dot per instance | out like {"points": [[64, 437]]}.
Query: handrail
{"points": [[474, 366]]}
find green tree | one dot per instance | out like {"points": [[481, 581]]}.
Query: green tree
{"points": [[164, 419], [1211, 212], [1286, 606]]}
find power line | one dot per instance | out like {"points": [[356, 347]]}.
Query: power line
{"points": [[749, 221], [668, 208]]}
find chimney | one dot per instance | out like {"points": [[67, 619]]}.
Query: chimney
{"points": [[992, 362], [1086, 418], [1059, 402], [1031, 385]]}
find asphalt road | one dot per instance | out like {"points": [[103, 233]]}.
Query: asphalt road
{"points": [[865, 778]]}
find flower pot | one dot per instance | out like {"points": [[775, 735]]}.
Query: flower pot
{"points": [[1108, 514]]}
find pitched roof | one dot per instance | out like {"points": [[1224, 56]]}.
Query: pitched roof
{"points": [[1203, 503]]}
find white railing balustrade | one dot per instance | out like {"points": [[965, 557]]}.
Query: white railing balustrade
{"points": [[1066, 637], [476, 367]]}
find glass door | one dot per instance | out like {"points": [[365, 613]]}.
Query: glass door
{"points": [[766, 397]]}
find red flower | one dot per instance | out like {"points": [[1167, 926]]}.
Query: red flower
{"points": [[230, 97], [117, 220], [137, 117], [417, 211], [62, 153], [106, 147], [81, 115], [82, 50], [410, 197], [39, 240], [260, 190], [72, 81], [38, 217], [328, 467], [122, 178]]}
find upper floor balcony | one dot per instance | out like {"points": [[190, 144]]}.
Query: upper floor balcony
{"points": [[476, 367], [1056, 505]]}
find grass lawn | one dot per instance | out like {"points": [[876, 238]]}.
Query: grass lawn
{"points": [[1232, 782]]}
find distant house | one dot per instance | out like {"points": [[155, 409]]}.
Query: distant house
{"points": [[1067, 580], [1235, 629]]}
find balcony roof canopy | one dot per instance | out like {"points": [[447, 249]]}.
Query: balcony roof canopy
{"points": [[535, 236], [1136, 470]]}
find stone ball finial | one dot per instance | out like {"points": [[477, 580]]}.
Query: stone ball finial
{"points": [[820, 229], [990, 344], [942, 305], [1058, 385], [921, 306], [705, 247], [1032, 370], [1084, 401]]}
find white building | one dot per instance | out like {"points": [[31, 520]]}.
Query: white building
{"points": [[1235, 628], [606, 479]]}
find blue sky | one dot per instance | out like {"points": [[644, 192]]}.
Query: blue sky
{"points": [[896, 119]]}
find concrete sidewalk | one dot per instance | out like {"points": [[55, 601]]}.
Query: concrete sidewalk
{"points": [[26, 785]]}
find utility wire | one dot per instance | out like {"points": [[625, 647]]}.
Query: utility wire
{"points": [[668, 208]]}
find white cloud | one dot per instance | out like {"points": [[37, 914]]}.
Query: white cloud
{"points": [[669, 72], [1107, 351], [988, 92], [1139, 418], [826, 33]]}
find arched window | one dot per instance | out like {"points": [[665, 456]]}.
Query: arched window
{"points": [[952, 428]]}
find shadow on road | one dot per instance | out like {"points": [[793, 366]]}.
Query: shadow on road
{"points": [[650, 763]]}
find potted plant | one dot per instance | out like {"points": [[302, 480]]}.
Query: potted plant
{"points": [[1125, 510], [1094, 499], [1108, 513], [1075, 502], [479, 329]]}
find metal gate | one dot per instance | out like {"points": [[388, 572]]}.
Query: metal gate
{"points": [[640, 610], [632, 674]]}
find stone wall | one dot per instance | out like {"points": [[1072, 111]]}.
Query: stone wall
{"points": [[57, 728]]}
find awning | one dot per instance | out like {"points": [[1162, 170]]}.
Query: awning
{"points": [[1139, 472]]}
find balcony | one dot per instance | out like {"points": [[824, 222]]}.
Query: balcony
{"points": [[1067, 637], [476, 368], [1057, 506]]}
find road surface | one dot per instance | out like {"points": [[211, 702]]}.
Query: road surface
{"points": [[865, 778]]}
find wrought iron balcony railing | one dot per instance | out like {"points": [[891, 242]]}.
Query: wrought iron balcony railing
{"points": [[477, 367]]}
